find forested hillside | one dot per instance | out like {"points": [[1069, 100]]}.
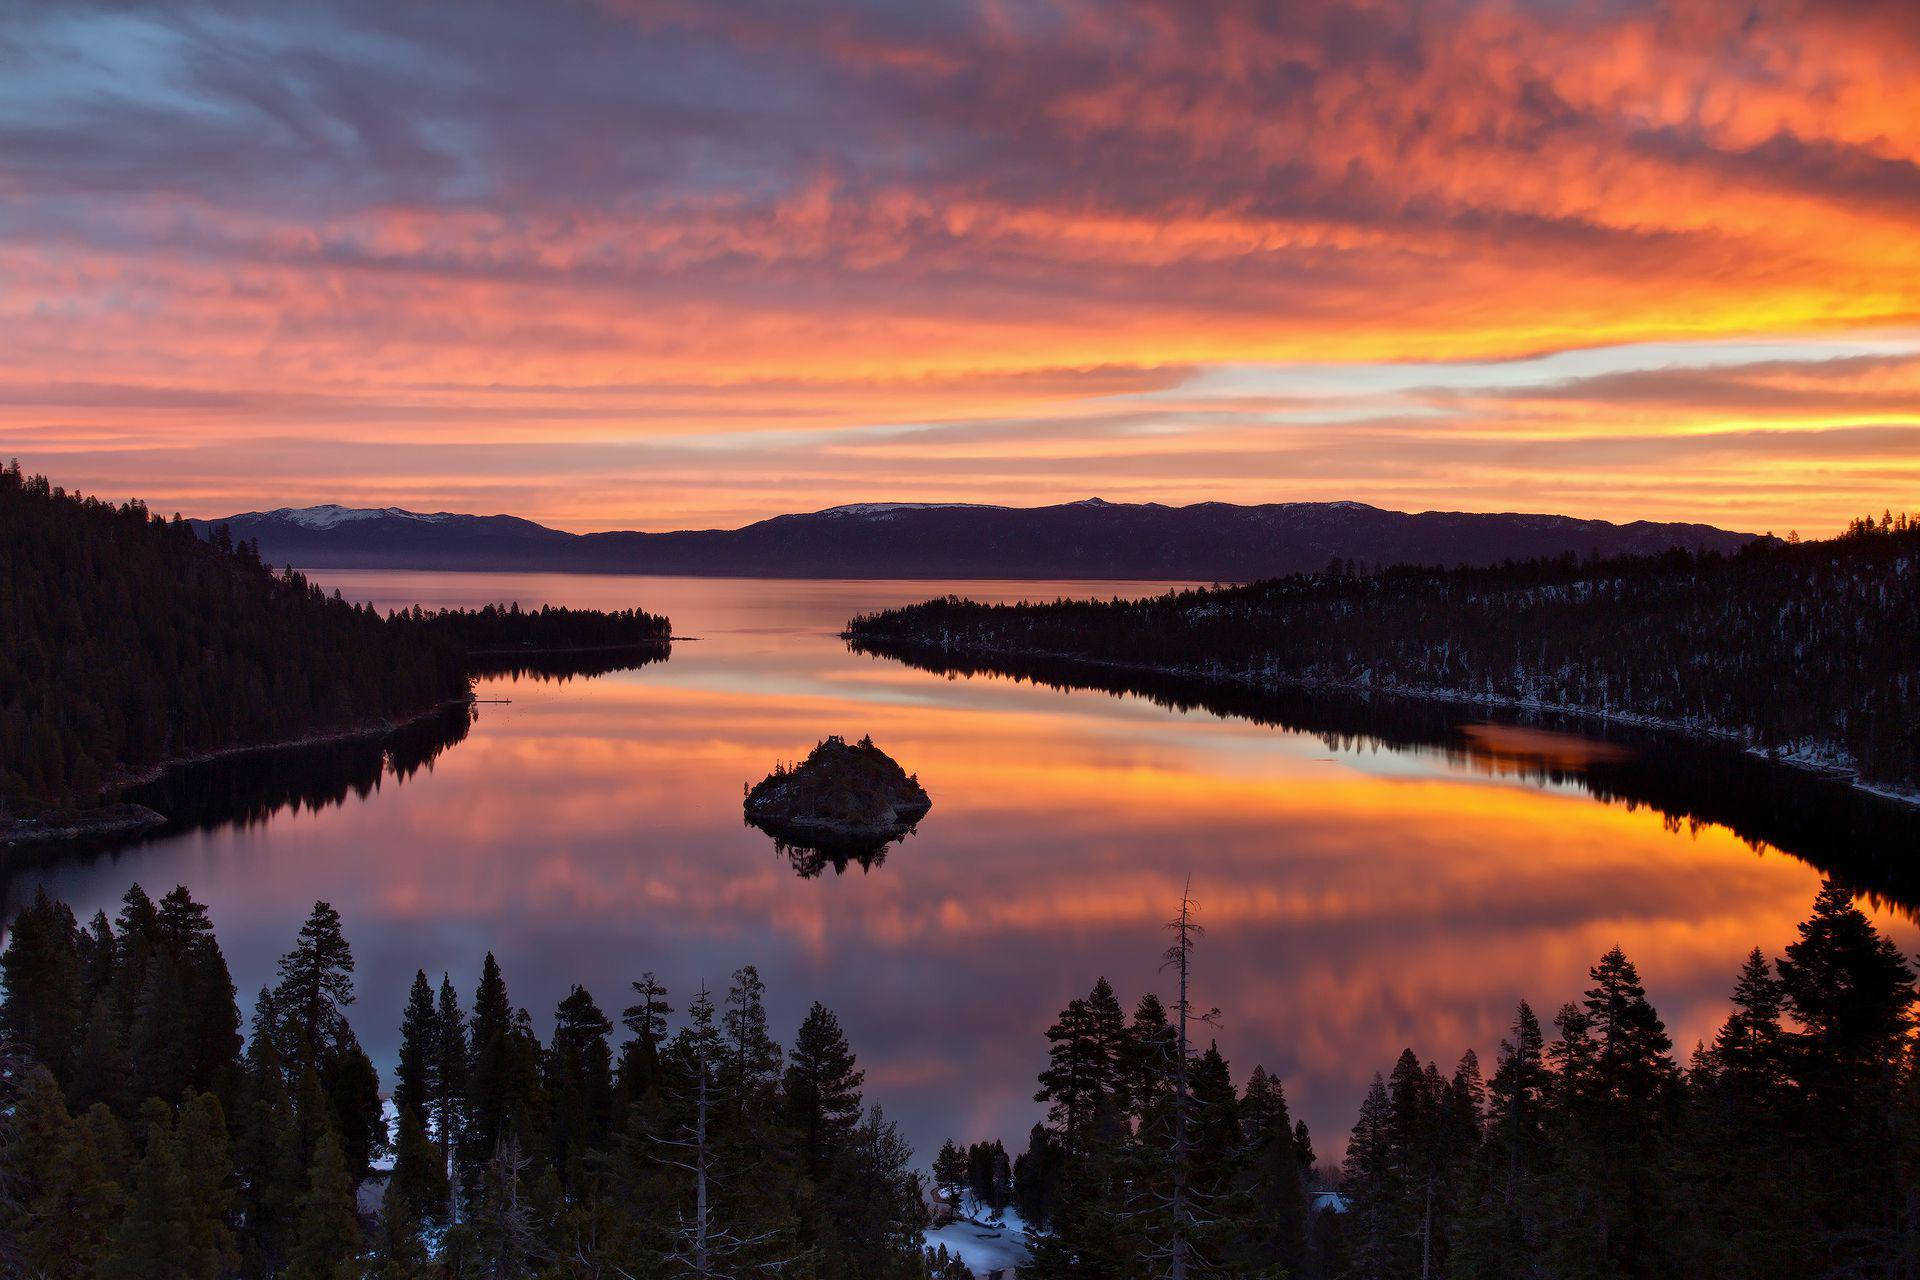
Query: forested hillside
{"points": [[132, 1111], [1811, 650], [125, 641]]}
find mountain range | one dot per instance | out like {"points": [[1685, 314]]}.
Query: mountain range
{"points": [[1208, 541]]}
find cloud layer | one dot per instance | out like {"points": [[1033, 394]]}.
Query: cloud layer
{"points": [[657, 264]]}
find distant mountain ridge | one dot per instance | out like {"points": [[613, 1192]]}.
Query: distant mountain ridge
{"points": [[1208, 541]]}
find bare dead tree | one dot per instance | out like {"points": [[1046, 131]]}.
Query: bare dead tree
{"points": [[506, 1219], [1182, 1261], [703, 1247]]}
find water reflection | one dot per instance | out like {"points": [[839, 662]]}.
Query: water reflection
{"points": [[1366, 886], [1864, 839], [809, 860]]}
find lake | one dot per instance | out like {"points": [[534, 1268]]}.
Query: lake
{"points": [[1362, 892]]}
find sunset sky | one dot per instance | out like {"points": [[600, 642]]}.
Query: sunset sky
{"points": [[660, 265]]}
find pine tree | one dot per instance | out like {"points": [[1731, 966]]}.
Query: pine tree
{"points": [[329, 1243], [450, 1078], [950, 1174], [579, 1084], [1852, 994], [1739, 1173], [1273, 1179], [1375, 1191], [490, 1085], [1036, 1177], [68, 1195], [41, 969], [154, 1238], [753, 1059], [646, 1019], [822, 1091], [200, 1134], [417, 1191], [1502, 1213], [210, 1030], [1618, 1092], [416, 1078], [316, 986], [267, 1149]]}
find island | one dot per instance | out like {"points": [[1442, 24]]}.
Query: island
{"points": [[844, 797]]}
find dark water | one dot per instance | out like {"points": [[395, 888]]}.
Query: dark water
{"points": [[1371, 876]]}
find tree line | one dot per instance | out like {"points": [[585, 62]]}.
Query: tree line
{"points": [[1828, 629], [1786, 1147], [145, 1136], [127, 641]]}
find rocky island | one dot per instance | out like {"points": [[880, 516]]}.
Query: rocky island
{"points": [[841, 796]]}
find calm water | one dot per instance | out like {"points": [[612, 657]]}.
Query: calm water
{"points": [[1357, 899]]}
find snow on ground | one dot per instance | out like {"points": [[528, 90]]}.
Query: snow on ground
{"points": [[984, 1244]]}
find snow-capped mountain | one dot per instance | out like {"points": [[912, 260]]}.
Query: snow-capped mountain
{"points": [[332, 515], [1089, 539]]}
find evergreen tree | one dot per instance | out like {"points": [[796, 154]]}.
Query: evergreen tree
{"points": [[329, 1243], [154, 1238], [1742, 1176], [1852, 994], [1503, 1217], [579, 1084], [646, 1020], [200, 1135], [41, 969], [950, 1174], [450, 1080], [1273, 1180], [1086, 1076], [753, 1060], [67, 1193], [492, 1107], [209, 1031], [267, 1149], [417, 1191], [416, 1082], [822, 1091], [1377, 1191], [1618, 1091], [1036, 1177], [316, 986]]}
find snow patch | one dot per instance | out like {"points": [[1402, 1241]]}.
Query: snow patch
{"points": [[983, 1243], [888, 508], [331, 515]]}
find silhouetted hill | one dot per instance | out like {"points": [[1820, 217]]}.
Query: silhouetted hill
{"points": [[1805, 651], [1209, 541]]}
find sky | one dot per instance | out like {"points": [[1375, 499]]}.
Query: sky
{"points": [[662, 265]]}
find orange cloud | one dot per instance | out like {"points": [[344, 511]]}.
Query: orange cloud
{"points": [[786, 260]]}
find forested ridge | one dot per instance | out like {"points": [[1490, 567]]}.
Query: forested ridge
{"points": [[126, 642], [1811, 650], [508, 629], [142, 1135]]}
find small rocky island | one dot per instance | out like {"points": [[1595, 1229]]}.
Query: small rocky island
{"points": [[842, 796]]}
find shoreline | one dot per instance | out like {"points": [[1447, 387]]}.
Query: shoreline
{"points": [[1807, 762], [662, 642], [126, 817]]}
